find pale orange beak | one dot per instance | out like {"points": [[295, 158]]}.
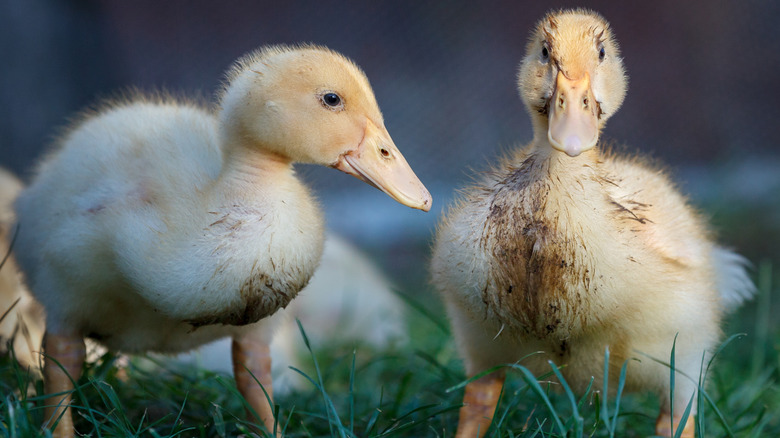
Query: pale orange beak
{"points": [[378, 162], [573, 121]]}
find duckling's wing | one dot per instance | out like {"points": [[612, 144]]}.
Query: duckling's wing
{"points": [[676, 230]]}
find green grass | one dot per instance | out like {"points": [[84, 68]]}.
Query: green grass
{"points": [[416, 390], [413, 391]]}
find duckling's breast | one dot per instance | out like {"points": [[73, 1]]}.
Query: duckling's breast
{"points": [[263, 259], [537, 282], [523, 257]]}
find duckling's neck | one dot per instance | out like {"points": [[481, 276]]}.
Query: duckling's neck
{"points": [[248, 170], [571, 186], [562, 165]]}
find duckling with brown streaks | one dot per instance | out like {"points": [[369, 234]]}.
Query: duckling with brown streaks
{"points": [[569, 249]]}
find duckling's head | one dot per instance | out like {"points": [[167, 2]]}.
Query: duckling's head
{"points": [[312, 105], [572, 79]]}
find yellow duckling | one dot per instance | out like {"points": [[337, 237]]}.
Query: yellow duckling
{"points": [[568, 249], [157, 225]]}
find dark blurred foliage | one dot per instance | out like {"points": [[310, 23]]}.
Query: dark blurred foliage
{"points": [[704, 89], [703, 75]]}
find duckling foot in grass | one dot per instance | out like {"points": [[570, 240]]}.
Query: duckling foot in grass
{"points": [[62, 366], [479, 405], [252, 371], [664, 424]]}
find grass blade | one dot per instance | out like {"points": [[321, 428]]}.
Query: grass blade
{"points": [[684, 418], [330, 409], [619, 394], [671, 383], [530, 379], [352, 393], [578, 421]]}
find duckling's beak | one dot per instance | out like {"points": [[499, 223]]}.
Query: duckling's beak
{"points": [[573, 121], [378, 162]]}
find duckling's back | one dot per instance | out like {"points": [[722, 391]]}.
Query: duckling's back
{"points": [[142, 157]]}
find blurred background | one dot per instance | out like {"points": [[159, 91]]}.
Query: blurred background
{"points": [[704, 94]]}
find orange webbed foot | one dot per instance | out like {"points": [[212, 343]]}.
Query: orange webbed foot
{"points": [[665, 428], [479, 405]]}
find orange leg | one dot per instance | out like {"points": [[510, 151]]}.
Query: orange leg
{"points": [[252, 364], [663, 426], [479, 405], [69, 351]]}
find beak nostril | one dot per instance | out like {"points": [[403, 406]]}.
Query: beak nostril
{"points": [[561, 102], [385, 153], [585, 102]]}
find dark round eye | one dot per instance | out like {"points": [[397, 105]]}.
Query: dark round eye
{"points": [[602, 53], [545, 53], [331, 99]]}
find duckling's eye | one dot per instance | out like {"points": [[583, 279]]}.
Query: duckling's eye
{"points": [[602, 53], [331, 99], [545, 54]]}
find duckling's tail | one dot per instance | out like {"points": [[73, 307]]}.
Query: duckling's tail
{"points": [[733, 282]]}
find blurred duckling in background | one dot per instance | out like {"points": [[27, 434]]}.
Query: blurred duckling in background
{"points": [[21, 317], [566, 248]]}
